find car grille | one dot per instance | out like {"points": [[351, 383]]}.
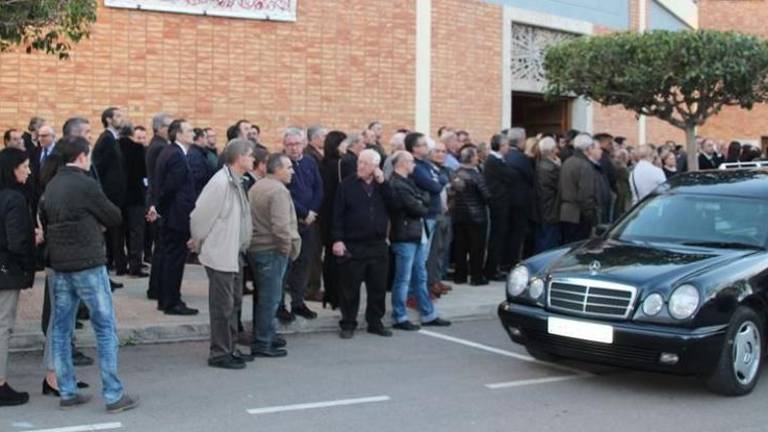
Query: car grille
{"points": [[591, 298], [580, 349]]}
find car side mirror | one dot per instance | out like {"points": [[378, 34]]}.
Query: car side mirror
{"points": [[601, 229]]}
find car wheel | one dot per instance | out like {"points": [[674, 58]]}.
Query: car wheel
{"points": [[741, 359], [541, 355]]}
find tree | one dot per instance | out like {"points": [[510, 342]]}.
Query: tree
{"points": [[682, 77], [49, 26]]}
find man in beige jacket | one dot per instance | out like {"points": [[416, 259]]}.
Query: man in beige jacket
{"points": [[221, 229], [275, 241]]}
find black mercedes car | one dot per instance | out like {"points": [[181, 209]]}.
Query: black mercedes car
{"points": [[679, 285]]}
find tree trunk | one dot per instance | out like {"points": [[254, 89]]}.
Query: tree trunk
{"points": [[691, 149]]}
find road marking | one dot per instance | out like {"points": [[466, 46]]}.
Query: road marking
{"points": [[491, 349], [83, 428], [315, 405], [520, 383]]}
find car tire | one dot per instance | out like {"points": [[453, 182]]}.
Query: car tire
{"points": [[741, 358], [541, 355]]}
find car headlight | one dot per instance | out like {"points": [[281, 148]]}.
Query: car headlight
{"points": [[536, 288], [518, 280], [683, 302], [653, 304]]}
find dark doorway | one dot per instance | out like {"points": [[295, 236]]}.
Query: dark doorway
{"points": [[537, 115]]}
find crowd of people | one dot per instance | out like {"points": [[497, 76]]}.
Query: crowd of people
{"points": [[312, 221]]}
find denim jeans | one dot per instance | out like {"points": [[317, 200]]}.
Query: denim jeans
{"points": [[548, 237], [269, 270], [411, 272], [90, 286]]}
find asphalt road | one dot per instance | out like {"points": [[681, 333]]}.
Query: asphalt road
{"points": [[476, 381]]}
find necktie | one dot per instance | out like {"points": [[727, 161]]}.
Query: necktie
{"points": [[45, 156]]}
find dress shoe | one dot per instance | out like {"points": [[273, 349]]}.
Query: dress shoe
{"points": [[445, 287], [74, 402], [460, 280], [270, 353], [80, 359], [180, 309], [50, 391], [435, 290], [479, 282], [127, 402], [10, 397], [347, 333], [139, 274], [407, 326], [278, 342], [284, 316], [115, 285], [227, 362], [380, 331], [437, 322], [243, 356], [304, 312]]}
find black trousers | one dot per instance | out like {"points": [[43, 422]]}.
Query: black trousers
{"points": [[133, 217], [297, 277], [330, 277], [173, 249], [368, 263], [116, 247], [518, 229], [469, 239], [150, 239], [498, 239]]}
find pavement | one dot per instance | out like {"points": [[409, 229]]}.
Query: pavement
{"points": [[468, 377], [139, 322]]}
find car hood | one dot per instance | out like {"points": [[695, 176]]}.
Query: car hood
{"points": [[640, 265]]}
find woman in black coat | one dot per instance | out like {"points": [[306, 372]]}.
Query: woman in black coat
{"points": [[17, 256], [470, 218], [330, 170]]}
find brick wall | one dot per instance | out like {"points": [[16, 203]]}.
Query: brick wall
{"points": [[746, 16], [466, 66], [342, 64]]}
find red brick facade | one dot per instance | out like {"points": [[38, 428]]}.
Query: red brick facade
{"points": [[746, 16], [343, 64]]}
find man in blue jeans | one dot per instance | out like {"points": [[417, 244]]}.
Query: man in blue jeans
{"points": [[275, 242], [74, 212], [410, 247]]}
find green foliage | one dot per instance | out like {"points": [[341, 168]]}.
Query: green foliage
{"points": [[49, 26], [680, 77]]}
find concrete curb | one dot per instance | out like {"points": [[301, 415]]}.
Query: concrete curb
{"points": [[29, 339]]}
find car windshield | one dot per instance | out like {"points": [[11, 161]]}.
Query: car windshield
{"points": [[697, 220]]}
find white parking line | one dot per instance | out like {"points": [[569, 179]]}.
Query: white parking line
{"points": [[491, 349], [521, 383], [83, 428], [315, 405]]}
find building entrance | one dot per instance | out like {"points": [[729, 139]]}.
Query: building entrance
{"points": [[538, 115]]}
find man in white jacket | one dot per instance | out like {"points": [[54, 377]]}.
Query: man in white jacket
{"points": [[646, 176], [221, 229]]}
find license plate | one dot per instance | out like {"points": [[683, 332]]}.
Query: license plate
{"points": [[580, 330]]}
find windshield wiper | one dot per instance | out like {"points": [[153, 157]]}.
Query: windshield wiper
{"points": [[724, 245]]}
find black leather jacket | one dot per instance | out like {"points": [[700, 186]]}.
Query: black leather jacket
{"points": [[470, 196], [17, 242], [410, 206]]}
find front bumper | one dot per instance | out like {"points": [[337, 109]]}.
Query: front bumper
{"points": [[636, 346]]}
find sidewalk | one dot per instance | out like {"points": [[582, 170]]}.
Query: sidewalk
{"points": [[139, 322]]}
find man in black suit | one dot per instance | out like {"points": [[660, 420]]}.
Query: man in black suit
{"points": [[499, 178], [175, 201], [133, 142], [521, 196], [708, 158], [31, 136], [46, 144], [160, 123], [109, 164]]}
